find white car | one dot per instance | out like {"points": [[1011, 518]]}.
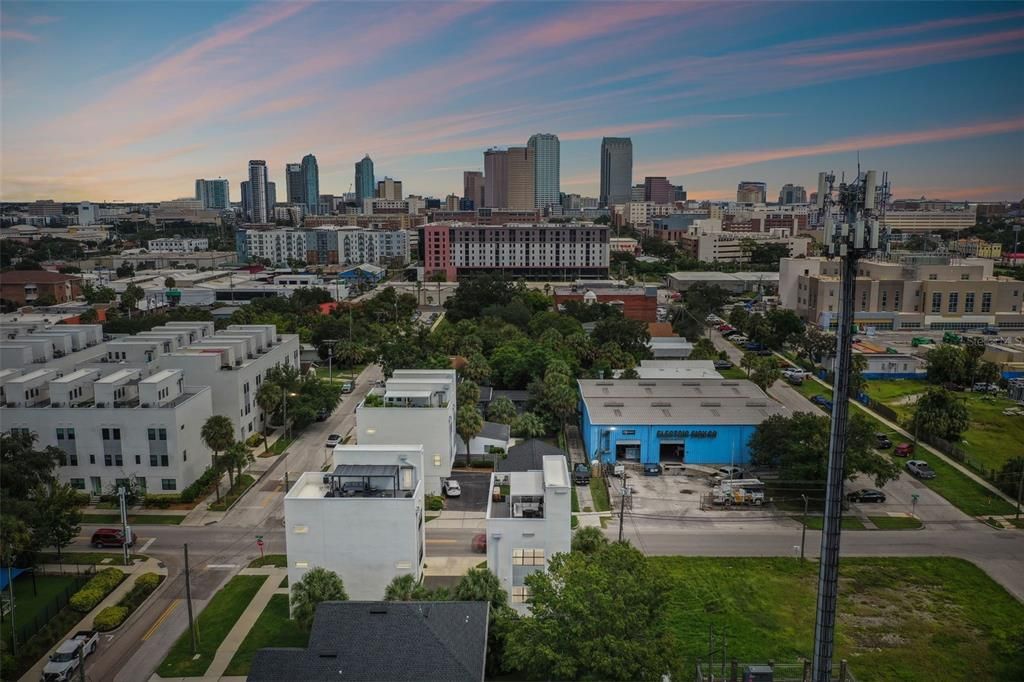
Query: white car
{"points": [[333, 440], [451, 488], [738, 338], [795, 372]]}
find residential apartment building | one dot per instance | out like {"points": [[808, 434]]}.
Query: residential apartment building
{"points": [[716, 246], [295, 187], [487, 216], [546, 153], [541, 250], [276, 245], [414, 406], [327, 245], [977, 248], [362, 519], [310, 184], [87, 213], [640, 213], [527, 525], [25, 287], [184, 210], [256, 202], [214, 194], [792, 194], [930, 220], [906, 291], [616, 170], [178, 245]]}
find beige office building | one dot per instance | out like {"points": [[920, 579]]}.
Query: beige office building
{"points": [[520, 178], [905, 291]]}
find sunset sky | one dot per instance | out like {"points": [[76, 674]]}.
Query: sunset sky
{"points": [[134, 100]]}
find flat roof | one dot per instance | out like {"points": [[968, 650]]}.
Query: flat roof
{"points": [[391, 393], [676, 401], [160, 376], [526, 483], [555, 473], [708, 275], [366, 470]]}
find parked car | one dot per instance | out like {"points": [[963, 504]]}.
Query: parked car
{"points": [[333, 440], [111, 537], [652, 470], [920, 468], [581, 474], [904, 450], [866, 495], [63, 663], [794, 379], [322, 415], [755, 346], [723, 364], [729, 472], [480, 543], [882, 441], [451, 488], [738, 339], [822, 402], [982, 387], [347, 387], [725, 328], [796, 372]]}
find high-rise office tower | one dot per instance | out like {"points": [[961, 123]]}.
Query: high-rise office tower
{"points": [[215, 194], [792, 194], [365, 183], [616, 170], [257, 188], [637, 193], [496, 178], [546, 167], [520, 178], [750, 192], [389, 188], [473, 187], [311, 182], [659, 190], [294, 185], [271, 200], [680, 193]]}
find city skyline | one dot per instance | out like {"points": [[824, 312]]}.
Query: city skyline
{"points": [[140, 119]]}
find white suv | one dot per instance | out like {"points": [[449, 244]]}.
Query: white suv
{"points": [[451, 488]]}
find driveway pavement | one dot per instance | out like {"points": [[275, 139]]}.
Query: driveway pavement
{"points": [[475, 485]]}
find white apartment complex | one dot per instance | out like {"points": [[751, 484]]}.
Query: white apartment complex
{"points": [[931, 221], [327, 245], [414, 406], [363, 519], [528, 525], [277, 246], [178, 245]]}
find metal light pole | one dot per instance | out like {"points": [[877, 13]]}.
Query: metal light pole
{"points": [[622, 505], [803, 530], [124, 523], [852, 230], [188, 602]]}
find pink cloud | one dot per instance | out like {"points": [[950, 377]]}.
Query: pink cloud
{"points": [[12, 34]]}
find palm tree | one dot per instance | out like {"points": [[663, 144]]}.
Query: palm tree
{"points": [[218, 434], [236, 457], [480, 584], [588, 540], [502, 411], [405, 588], [318, 585]]}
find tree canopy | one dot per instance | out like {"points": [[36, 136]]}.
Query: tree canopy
{"points": [[941, 413], [316, 586]]}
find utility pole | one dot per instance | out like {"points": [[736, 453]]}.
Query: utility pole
{"points": [[1020, 488], [188, 603], [81, 662], [125, 530], [803, 530], [622, 505], [851, 213]]}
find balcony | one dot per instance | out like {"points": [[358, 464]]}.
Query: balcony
{"points": [[517, 495]]}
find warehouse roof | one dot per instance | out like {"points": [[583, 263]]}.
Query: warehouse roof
{"points": [[674, 401]]}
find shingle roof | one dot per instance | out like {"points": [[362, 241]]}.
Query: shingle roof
{"points": [[528, 456], [397, 641], [495, 431]]}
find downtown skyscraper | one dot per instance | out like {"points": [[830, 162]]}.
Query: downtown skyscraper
{"points": [[366, 185], [215, 194], [294, 185], [616, 170], [545, 149], [255, 194], [311, 184]]}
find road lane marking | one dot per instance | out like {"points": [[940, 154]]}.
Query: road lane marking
{"points": [[146, 546], [160, 621], [222, 565]]}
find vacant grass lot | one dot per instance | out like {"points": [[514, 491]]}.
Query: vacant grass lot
{"points": [[276, 560], [272, 628], [900, 619], [733, 372], [29, 606], [213, 624]]}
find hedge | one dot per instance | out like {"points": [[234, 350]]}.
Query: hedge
{"points": [[254, 440], [109, 618], [160, 501], [102, 584], [113, 616], [200, 485], [435, 503]]}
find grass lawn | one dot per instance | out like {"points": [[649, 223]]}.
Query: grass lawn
{"points": [[29, 606], [280, 445], [901, 619], [811, 388], [340, 374], [815, 522], [575, 501], [136, 519], [272, 628], [599, 491], [895, 522], [889, 390], [242, 484], [83, 558], [733, 372], [214, 623], [1019, 523], [284, 582], [276, 560]]}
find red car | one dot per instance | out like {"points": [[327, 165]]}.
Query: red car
{"points": [[111, 537], [725, 327], [904, 450], [480, 543]]}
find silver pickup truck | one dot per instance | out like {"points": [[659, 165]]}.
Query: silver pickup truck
{"points": [[63, 663]]}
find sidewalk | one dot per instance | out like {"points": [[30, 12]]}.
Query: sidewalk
{"points": [[226, 651]]}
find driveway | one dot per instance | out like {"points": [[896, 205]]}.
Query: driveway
{"points": [[475, 486]]}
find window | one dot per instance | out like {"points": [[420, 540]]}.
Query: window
{"points": [[78, 483], [520, 594], [168, 484], [954, 301], [92, 459], [164, 461], [437, 460], [108, 460], [153, 460], [162, 434], [73, 459], [118, 460], [151, 434], [933, 276], [60, 434], [106, 434], [116, 433], [986, 302], [969, 302], [138, 459], [936, 302], [965, 276], [527, 557]]}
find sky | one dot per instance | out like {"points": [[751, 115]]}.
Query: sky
{"points": [[131, 101]]}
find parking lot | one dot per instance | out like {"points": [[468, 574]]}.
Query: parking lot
{"points": [[475, 485]]}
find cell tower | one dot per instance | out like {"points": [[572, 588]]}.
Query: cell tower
{"points": [[851, 215]]}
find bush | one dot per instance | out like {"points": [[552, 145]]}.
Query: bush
{"points": [[200, 485], [102, 584], [147, 581], [82, 498], [109, 618], [435, 503], [481, 464], [254, 440], [159, 501]]}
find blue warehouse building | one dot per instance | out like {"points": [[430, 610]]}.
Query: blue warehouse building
{"points": [[691, 421]]}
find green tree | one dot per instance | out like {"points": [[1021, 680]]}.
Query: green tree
{"points": [[405, 588], [629, 335], [502, 411], [784, 326], [98, 294], [89, 316], [703, 349], [765, 372], [477, 370], [947, 363], [749, 361], [558, 641], [588, 540], [236, 457], [218, 433], [316, 586], [467, 393], [57, 519], [169, 282], [738, 316], [974, 348], [941, 413], [988, 372], [131, 296], [528, 425], [480, 584], [125, 269], [797, 446], [468, 423], [857, 382]]}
